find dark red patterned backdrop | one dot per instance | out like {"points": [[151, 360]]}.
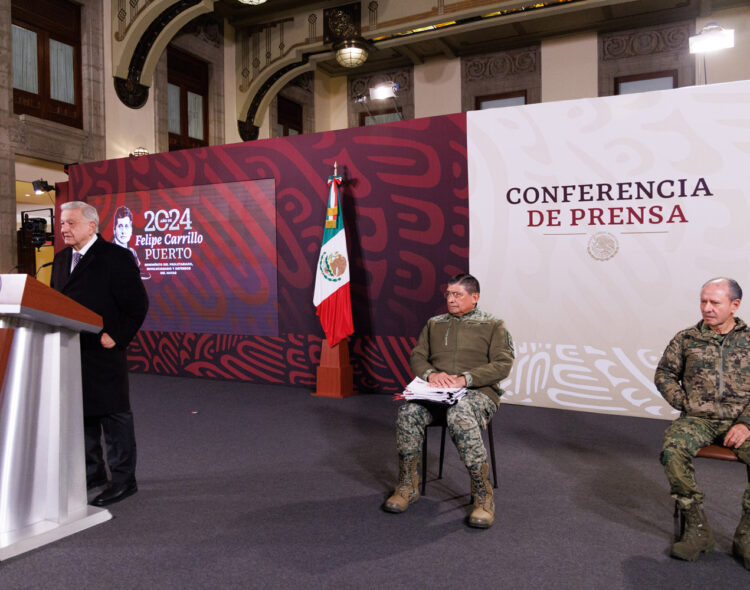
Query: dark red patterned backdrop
{"points": [[405, 201]]}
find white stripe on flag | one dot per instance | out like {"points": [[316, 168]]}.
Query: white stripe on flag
{"points": [[326, 283]]}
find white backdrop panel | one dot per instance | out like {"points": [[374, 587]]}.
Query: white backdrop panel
{"points": [[593, 224]]}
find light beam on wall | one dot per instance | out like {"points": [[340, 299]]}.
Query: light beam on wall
{"points": [[711, 38], [383, 91]]}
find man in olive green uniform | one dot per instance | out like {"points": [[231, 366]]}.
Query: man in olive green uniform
{"points": [[469, 348], [705, 373]]}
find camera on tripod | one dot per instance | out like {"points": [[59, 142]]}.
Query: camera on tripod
{"points": [[32, 236], [37, 226]]}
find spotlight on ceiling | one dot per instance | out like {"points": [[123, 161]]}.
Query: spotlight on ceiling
{"points": [[351, 53], [41, 187], [711, 38], [253, 2]]}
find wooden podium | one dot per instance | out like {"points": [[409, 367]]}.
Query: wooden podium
{"points": [[42, 464], [335, 374]]}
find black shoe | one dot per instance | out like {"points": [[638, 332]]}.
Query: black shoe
{"points": [[115, 493], [96, 483]]}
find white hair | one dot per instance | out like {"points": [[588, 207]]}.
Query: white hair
{"points": [[88, 212], [735, 291]]}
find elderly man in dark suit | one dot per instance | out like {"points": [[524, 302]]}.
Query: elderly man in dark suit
{"points": [[105, 278]]}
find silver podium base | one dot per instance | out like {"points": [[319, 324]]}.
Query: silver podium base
{"points": [[42, 465], [40, 533]]}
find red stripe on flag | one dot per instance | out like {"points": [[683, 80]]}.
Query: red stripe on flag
{"points": [[335, 314]]}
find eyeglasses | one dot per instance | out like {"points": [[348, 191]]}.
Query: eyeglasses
{"points": [[454, 294]]}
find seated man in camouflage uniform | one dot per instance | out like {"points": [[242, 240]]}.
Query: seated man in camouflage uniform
{"points": [[465, 347], [705, 373]]}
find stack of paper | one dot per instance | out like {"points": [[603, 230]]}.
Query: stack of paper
{"points": [[419, 389]]}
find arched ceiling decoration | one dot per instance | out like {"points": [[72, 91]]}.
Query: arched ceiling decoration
{"points": [[278, 40], [141, 31]]}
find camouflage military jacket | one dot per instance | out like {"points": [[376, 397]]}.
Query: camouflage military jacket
{"points": [[702, 374], [475, 345]]}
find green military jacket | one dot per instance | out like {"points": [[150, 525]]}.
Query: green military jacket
{"points": [[707, 375], [475, 345]]}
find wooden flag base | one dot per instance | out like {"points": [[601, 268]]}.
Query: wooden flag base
{"points": [[335, 374]]}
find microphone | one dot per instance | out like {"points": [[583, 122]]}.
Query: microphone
{"points": [[41, 267]]}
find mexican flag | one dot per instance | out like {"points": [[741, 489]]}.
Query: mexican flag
{"points": [[332, 297]]}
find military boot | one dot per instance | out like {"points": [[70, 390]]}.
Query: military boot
{"points": [[741, 544], [697, 537], [483, 514], [407, 490]]}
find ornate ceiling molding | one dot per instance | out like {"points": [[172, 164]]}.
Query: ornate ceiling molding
{"points": [[508, 63], [138, 46], [265, 93], [667, 38]]}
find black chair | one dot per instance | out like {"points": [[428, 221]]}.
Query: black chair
{"points": [[708, 452], [440, 421]]}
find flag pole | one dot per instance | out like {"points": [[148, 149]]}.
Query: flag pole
{"points": [[335, 376]]}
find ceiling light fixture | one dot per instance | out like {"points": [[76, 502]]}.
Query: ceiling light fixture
{"points": [[351, 53], [342, 29], [253, 2]]}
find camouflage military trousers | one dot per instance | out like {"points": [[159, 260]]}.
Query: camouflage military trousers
{"points": [[465, 421], [682, 440]]}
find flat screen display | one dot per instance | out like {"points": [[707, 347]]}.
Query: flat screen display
{"points": [[207, 254]]}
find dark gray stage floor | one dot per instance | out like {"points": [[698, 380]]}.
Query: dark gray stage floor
{"points": [[268, 487]]}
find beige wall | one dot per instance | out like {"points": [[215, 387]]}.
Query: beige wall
{"points": [[728, 64], [437, 87], [264, 129], [569, 67], [330, 102]]}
